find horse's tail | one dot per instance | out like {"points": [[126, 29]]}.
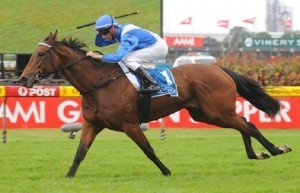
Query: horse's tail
{"points": [[252, 91]]}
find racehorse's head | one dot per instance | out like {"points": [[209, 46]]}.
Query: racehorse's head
{"points": [[40, 64]]}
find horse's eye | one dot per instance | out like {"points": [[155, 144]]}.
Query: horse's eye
{"points": [[40, 54]]}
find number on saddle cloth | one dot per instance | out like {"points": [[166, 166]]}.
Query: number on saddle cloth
{"points": [[165, 80]]}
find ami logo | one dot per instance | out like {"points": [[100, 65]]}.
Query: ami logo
{"points": [[184, 41]]}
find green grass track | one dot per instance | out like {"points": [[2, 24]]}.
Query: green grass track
{"points": [[36, 161]]}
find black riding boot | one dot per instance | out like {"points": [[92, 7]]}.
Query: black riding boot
{"points": [[149, 83]]}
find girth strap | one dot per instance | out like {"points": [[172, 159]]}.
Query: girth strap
{"points": [[103, 84], [144, 107]]}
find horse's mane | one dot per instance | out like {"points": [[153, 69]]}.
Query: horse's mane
{"points": [[75, 44]]}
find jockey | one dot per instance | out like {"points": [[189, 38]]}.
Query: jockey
{"points": [[136, 45]]}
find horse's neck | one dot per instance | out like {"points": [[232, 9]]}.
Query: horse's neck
{"points": [[84, 75]]}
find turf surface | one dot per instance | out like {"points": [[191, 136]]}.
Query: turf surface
{"points": [[200, 160]]}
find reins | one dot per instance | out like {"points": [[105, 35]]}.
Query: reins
{"points": [[95, 87], [70, 64], [103, 84]]}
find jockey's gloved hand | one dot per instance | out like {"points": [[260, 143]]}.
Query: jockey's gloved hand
{"points": [[94, 55]]}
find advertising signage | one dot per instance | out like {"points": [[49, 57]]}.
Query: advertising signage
{"points": [[52, 112], [272, 43]]}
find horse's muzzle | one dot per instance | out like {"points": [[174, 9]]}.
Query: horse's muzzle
{"points": [[25, 82]]}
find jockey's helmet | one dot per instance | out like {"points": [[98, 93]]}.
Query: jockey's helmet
{"points": [[105, 22]]}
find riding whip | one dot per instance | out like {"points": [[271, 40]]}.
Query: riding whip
{"points": [[117, 17]]}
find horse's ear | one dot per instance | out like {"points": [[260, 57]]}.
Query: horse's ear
{"points": [[55, 34], [52, 37], [47, 38]]}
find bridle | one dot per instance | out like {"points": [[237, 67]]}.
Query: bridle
{"points": [[40, 75]]}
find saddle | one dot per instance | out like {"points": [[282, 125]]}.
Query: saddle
{"points": [[164, 79]]}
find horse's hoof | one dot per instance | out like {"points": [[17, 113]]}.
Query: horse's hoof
{"points": [[167, 173], [285, 149], [69, 176], [262, 155]]}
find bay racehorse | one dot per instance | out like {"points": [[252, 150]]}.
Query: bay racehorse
{"points": [[110, 101]]}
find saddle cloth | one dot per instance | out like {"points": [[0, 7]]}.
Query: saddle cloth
{"points": [[164, 78]]}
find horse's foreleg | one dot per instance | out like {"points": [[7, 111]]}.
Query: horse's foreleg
{"points": [[87, 137], [136, 134]]}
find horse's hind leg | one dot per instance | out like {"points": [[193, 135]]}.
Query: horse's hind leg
{"points": [[254, 132], [246, 129], [249, 149], [87, 137], [200, 116], [136, 134]]}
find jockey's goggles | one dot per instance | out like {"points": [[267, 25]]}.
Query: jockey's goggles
{"points": [[103, 31]]}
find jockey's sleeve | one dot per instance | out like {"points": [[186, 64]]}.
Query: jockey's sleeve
{"points": [[127, 44], [99, 41]]}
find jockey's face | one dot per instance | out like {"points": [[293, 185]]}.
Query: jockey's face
{"points": [[108, 33]]}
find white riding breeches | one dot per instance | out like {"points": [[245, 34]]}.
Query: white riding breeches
{"points": [[157, 51]]}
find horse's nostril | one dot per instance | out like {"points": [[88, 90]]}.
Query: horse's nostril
{"points": [[23, 80]]}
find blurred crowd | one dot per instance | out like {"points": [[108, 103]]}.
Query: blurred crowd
{"points": [[269, 70]]}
